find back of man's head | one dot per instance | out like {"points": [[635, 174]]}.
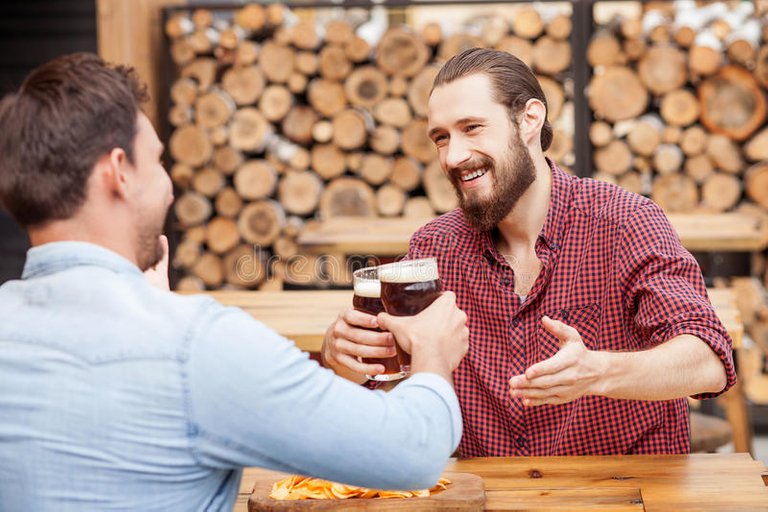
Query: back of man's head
{"points": [[513, 81], [64, 117]]}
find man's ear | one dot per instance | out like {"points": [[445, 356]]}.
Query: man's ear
{"points": [[112, 168], [532, 120]]}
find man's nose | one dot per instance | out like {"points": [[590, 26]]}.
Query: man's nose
{"points": [[457, 153]]}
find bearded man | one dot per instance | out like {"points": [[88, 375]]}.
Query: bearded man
{"points": [[589, 322]]}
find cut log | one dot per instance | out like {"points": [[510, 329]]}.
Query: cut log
{"points": [[334, 64], [375, 169], [600, 133], [347, 197], [260, 222], [276, 61], [182, 51], [196, 233], [322, 131], [209, 269], [662, 69], [680, 108], [432, 34], [751, 299], [457, 43], [393, 111], [634, 49], [299, 192], [517, 46], [276, 14], [421, 86], [355, 161], [551, 56], [285, 247], [439, 189], [560, 27], [300, 159], [757, 147], [245, 266], [228, 203], [231, 37], [725, 154], [192, 209], [187, 253], [615, 158], [406, 173], [761, 66], [617, 94], [339, 32], [227, 159], [184, 91], [328, 161], [732, 103], [694, 140], [416, 143], [705, 59], [720, 192], [203, 71], [249, 130], [179, 24], [255, 179], [675, 193], [337, 270], [418, 207], [699, 168], [276, 102], [305, 35], [642, 165], [208, 181], [631, 181], [366, 86], [182, 175], [327, 97], [390, 201], [190, 145], [357, 50], [645, 135], [742, 43], [298, 123], [244, 84], [214, 108], [297, 83], [631, 28], [756, 184], [219, 135], [222, 234], [294, 225], [246, 54], [306, 63], [555, 96], [251, 17], [492, 29], [667, 159], [603, 50], [385, 140], [179, 115], [561, 146], [350, 129], [398, 86], [401, 53], [527, 23], [190, 284], [306, 270]]}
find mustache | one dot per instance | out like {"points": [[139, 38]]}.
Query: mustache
{"points": [[475, 163]]}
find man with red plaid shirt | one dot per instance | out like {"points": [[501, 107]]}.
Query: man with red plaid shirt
{"points": [[589, 322]]}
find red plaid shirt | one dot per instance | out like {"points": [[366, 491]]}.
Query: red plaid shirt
{"points": [[614, 269]]}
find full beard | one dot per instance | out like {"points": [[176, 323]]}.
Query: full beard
{"points": [[510, 181]]}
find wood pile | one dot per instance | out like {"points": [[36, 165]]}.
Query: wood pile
{"points": [[281, 120]]}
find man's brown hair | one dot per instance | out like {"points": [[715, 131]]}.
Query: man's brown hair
{"points": [[512, 80], [67, 114]]}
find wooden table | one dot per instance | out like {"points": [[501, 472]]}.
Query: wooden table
{"points": [[390, 237], [718, 482]]}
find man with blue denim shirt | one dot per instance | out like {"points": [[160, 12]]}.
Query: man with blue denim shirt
{"points": [[116, 394]]}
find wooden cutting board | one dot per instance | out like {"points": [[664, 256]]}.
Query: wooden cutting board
{"points": [[465, 493]]}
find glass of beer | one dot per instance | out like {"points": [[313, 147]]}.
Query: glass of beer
{"points": [[367, 299], [407, 288]]}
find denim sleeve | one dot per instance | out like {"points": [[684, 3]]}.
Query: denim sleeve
{"points": [[254, 399]]}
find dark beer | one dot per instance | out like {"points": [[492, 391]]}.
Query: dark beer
{"points": [[409, 287], [367, 299]]}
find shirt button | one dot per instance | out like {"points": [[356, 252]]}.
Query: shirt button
{"points": [[520, 441]]}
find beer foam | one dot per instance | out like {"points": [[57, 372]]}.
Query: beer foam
{"points": [[412, 271], [368, 288]]}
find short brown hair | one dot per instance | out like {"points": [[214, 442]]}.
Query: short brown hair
{"points": [[66, 115], [513, 81]]}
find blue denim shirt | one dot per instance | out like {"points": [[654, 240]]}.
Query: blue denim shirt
{"points": [[115, 395]]}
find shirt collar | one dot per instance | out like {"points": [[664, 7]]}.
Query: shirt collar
{"points": [[58, 256]]}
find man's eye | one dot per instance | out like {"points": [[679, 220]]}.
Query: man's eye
{"points": [[472, 127]]}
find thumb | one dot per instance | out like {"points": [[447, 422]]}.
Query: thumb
{"points": [[387, 322], [164, 244], [559, 330]]}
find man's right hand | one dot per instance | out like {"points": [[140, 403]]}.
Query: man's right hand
{"points": [[351, 336]]}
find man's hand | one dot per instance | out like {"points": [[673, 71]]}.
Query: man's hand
{"points": [[570, 374], [158, 275], [351, 337]]}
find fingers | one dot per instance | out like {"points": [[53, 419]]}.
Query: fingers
{"points": [[554, 364], [363, 336], [164, 244], [359, 367], [360, 319], [559, 330]]}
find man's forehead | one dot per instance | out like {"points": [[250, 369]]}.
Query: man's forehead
{"points": [[469, 96]]}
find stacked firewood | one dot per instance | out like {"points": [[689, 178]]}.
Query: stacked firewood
{"points": [[280, 121]]}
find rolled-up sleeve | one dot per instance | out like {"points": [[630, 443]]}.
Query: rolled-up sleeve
{"points": [[254, 399], [664, 289]]}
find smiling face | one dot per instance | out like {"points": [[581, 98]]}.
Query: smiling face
{"points": [[480, 149]]}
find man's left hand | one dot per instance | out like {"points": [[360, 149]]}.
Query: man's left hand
{"points": [[570, 374], [158, 275]]}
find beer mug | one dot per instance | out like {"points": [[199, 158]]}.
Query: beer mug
{"points": [[407, 288], [367, 299]]}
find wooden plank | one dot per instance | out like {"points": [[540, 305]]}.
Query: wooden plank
{"points": [[615, 499], [720, 232]]}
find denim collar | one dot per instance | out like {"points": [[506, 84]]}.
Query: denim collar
{"points": [[55, 257]]}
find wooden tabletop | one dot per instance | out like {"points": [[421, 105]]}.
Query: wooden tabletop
{"points": [[304, 316], [390, 237], [718, 482]]}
